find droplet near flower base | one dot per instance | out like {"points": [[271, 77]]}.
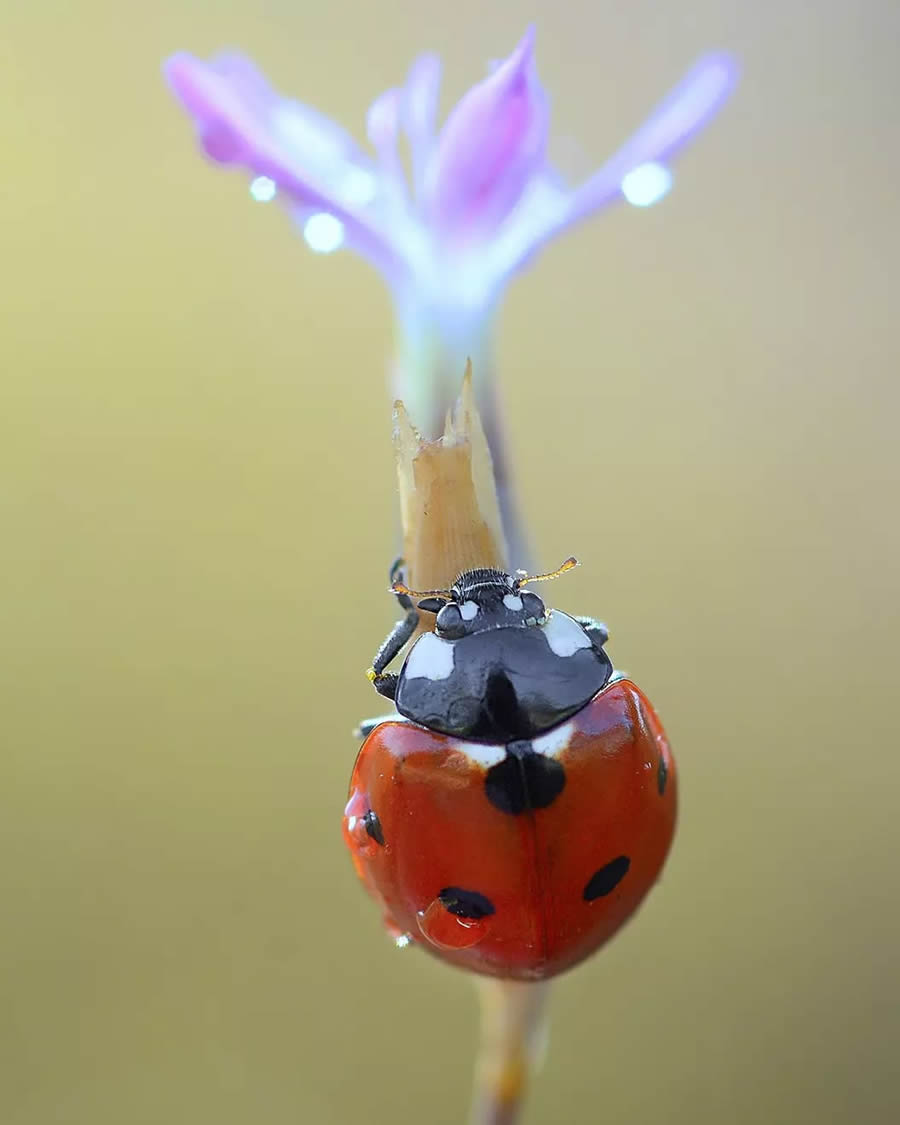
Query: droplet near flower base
{"points": [[449, 931]]}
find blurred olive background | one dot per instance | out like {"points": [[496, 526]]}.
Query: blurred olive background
{"points": [[198, 509]]}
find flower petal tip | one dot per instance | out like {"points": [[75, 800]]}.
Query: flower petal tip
{"points": [[174, 70], [523, 52], [490, 148], [713, 77]]}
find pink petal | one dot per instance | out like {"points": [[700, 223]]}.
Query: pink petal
{"points": [[491, 146], [383, 131], [241, 121], [420, 100], [672, 124]]}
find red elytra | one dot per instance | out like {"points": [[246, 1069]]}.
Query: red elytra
{"points": [[516, 894]]}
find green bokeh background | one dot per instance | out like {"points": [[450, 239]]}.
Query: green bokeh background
{"points": [[198, 505]]}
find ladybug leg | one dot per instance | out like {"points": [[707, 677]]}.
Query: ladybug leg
{"points": [[394, 641], [394, 575], [596, 630], [385, 683]]}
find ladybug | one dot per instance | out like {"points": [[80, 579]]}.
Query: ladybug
{"points": [[520, 806]]}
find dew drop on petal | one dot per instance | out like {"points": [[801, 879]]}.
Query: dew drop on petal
{"points": [[449, 931], [323, 232], [647, 184], [263, 189], [357, 186]]}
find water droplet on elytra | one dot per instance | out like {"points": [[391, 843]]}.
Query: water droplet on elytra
{"points": [[450, 931], [399, 937], [358, 838]]}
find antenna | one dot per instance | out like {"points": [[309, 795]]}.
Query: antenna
{"points": [[523, 578], [400, 588]]}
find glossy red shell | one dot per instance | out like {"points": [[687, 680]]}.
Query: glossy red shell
{"points": [[440, 830]]}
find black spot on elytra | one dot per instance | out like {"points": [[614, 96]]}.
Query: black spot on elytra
{"points": [[604, 881], [524, 780], [373, 827], [662, 774], [465, 904]]}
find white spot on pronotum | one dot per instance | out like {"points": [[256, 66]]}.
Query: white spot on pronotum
{"points": [[512, 601], [431, 658], [564, 635], [402, 941], [554, 741], [468, 610]]}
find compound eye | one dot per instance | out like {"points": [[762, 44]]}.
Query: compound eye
{"points": [[532, 606], [449, 622]]}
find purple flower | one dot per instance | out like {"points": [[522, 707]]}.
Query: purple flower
{"points": [[481, 199], [483, 196]]}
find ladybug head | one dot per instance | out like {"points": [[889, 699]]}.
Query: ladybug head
{"points": [[484, 599]]}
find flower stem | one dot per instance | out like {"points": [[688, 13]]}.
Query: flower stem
{"points": [[448, 497], [513, 1033], [433, 346], [452, 521]]}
